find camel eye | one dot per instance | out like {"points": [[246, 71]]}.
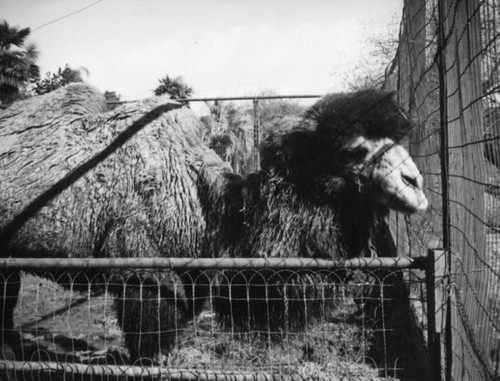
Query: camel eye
{"points": [[355, 155]]}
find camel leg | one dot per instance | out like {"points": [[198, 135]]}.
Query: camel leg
{"points": [[151, 312], [197, 290]]}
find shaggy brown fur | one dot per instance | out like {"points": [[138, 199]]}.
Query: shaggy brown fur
{"points": [[306, 202], [77, 183], [138, 182]]}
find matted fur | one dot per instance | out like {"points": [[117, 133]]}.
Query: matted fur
{"points": [[305, 202], [79, 183]]}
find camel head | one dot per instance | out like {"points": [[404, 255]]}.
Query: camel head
{"points": [[388, 172], [362, 131], [350, 142]]}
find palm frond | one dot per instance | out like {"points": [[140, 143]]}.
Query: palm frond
{"points": [[32, 52], [175, 87], [12, 35]]}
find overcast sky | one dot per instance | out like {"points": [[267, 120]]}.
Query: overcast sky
{"points": [[219, 47]]}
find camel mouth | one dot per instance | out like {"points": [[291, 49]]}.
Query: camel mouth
{"points": [[415, 187], [409, 198], [419, 208], [407, 206], [413, 195], [395, 176]]}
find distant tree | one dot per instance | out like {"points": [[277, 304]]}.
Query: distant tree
{"points": [[58, 79], [229, 128], [272, 112], [112, 96], [372, 68], [17, 62], [229, 134], [175, 87]]}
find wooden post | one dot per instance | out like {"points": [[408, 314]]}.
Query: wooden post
{"points": [[256, 134], [436, 282]]}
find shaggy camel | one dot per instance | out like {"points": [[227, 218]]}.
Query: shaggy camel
{"points": [[138, 182]]}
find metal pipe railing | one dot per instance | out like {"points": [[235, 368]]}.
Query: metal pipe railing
{"points": [[128, 371], [211, 263], [249, 98]]}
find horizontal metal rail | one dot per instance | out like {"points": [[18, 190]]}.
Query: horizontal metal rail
{"points": [[211, 263], [126, 371], [229, 98]]}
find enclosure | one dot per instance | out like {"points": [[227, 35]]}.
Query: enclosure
{"points": [[362, 330], [418, 315]]}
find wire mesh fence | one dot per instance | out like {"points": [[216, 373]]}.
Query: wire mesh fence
{"points": [[326, 322], [448, 76]]}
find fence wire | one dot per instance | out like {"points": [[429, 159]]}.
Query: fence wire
{"points": [[448, 75], [250, 324]]}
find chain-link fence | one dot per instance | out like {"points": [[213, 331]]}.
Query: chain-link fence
{"points": [[448, 76]]}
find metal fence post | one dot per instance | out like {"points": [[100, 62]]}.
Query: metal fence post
{"points": [[436, 308], [256, 134]]}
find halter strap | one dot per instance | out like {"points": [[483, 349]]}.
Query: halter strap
{"points": [[357, 175]]}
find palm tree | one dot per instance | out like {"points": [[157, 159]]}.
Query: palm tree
{"points": [[17, 61], [175, 87]]}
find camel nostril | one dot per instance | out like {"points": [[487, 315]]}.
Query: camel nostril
{"points": [[410, 181]]}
